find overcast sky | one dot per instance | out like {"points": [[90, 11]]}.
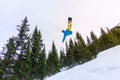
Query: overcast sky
{"points": [[51, 17]]}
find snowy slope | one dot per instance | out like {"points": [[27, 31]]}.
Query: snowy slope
{"points": [[105, 67]]}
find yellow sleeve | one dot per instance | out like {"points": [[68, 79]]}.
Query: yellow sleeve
{"points": [[69, 26]]}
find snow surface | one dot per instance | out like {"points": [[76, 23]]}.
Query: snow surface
{"points": [[105, 67]]}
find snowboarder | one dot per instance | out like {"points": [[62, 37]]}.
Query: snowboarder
{"points": [[68, 31]]}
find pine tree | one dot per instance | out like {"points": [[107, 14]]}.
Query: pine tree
{"points": [[38, 55], [42, 64], [94, 47], [80, 40], [106, 41], [62, 59], [115, 34], [2, 64], [77, 55], [53, 64], [83, 49], [93, 36], [102, 31], [66, 44], [9, 60], [88, 41], [22, 45], [27, 62], [70, 54], [108, 30], [23, 36], [81, 45], [35, 51], [2, 72]]}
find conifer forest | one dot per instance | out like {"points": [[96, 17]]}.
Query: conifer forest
{"points": [[24, 56]]}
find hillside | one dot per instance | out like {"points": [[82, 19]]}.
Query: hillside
{"points": [[105, 67]]}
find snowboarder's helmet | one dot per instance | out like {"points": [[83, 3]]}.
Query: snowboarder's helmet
{"points": [[69, 19]]}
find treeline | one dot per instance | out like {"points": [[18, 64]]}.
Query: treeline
{"points": [[24, 55], [79, 52]]}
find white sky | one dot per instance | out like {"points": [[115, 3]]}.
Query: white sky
{"points": [[51, 17]]}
